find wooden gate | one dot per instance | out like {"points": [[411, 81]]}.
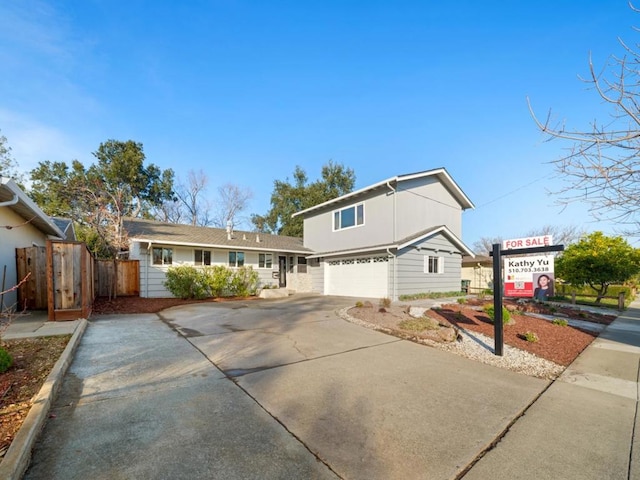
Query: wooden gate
{"points": [[32, 261], [117, 278], [70, 285]]}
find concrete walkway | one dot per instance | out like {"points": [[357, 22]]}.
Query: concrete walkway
{"points": [[287, 390]]}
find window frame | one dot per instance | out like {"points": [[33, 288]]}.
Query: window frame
{"points": [[429, 263], [166, 253], [236, 255], [262, 262], [337, 217], [203, 257]]}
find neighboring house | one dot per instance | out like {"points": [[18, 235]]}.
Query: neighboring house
{"points": [[66, 226], [279, 260], [478, 271], [22, 224], [399, 236]]}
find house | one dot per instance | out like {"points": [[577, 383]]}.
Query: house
{"points": [[22, 224], [478, 273], [279, 260], [66, 226], [398, 236]]}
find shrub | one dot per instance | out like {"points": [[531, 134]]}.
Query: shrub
{"points": [[561, 322], [489, 310], [244, 282], [419, 324], [5, 360], [529, 336], [185, 281], [462, 300], [359, 304], [218, 280], [385, 302]]}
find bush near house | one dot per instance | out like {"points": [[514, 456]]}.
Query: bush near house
{"points": [[189, 282]]}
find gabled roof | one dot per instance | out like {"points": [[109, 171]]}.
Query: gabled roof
{"points": [[440, 173], [141, 230], [12, 196], [66, 226], [403, 243]]}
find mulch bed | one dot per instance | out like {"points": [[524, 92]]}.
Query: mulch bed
{"points": [[104, 305]]}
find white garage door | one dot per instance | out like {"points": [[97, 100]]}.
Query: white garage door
{"points": [[358, 277]]}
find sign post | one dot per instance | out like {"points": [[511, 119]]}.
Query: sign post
{"points": [[512, 247]]}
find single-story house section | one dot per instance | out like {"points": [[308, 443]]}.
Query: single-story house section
{"points": [[279, 260], [22, 224], [478, 272], [400, 236]]}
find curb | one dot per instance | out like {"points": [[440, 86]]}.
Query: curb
{"points": [[16, 460]]}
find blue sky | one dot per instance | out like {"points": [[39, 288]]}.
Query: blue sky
{"points": [[246, 90]]}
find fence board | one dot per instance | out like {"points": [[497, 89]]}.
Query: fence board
{"points": [[32, 261], [71, 285], [118, 278]]}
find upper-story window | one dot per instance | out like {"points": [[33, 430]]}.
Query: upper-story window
{"points": [[348, 217]]}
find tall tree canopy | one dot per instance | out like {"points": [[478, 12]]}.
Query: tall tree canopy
{"points": [[291, 197], [602, 166], [598, 261], [119, 185], [8, 166]]}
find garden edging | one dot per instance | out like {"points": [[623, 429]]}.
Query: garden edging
{"points": [[16, 460]]}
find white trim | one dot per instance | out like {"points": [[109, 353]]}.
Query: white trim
{"points": [[448, 233], [355, 217], [351, 252], [458, 193], [219, 247]]}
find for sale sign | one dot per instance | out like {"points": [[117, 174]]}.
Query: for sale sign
{"points": [[540, 241], [529, 276]]}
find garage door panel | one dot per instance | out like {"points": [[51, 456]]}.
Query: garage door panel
{"points": [[358, 277]]}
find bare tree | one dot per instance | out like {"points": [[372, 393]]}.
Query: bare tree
{"points": [[602, 167], [232, 201], [562, 235], [191, 198]]}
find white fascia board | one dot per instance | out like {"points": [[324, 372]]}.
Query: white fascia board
{"points": [[32, 206], [448, 233], [220, 247], [352, 252]]}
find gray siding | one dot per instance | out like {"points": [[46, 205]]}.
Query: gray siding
{"points": [[412, 279], [377, 229], [317, 276], [419, 204], [423, 203]]}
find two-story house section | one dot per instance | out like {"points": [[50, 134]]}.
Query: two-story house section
{"points": [[399, 236]]}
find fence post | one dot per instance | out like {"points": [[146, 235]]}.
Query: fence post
{"points": [[621, 301], [573, 298]]}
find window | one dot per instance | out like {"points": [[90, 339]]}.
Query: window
{"points": [[265, 260], [348, 217], [302, 265], [162, 256], [236, 259], [202, 257], [433, 264]]}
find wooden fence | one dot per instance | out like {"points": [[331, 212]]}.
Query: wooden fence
{"points": [[70, 285], [117, 278], [32, 261], [64, 279]]}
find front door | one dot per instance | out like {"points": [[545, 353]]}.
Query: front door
{"points": [[282, 270]]}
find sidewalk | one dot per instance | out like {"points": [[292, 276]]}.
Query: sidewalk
{"points": [[36, 324], [584, 426]]}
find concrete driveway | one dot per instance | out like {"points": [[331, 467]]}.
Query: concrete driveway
{"points": [[271, 389]]}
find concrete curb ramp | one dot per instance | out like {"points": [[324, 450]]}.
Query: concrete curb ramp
{"points": [[16, 460]]}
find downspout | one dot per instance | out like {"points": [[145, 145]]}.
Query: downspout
{"points": [[146, 271], [8, 203], [395, 258]]}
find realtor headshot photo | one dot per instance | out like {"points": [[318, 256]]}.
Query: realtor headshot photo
{"points": [[543, 286]]}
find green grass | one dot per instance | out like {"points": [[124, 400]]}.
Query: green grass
{"points": [[591, 301], [419, 296]]}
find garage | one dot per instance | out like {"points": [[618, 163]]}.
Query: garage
{"points": [[358, 277]]}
